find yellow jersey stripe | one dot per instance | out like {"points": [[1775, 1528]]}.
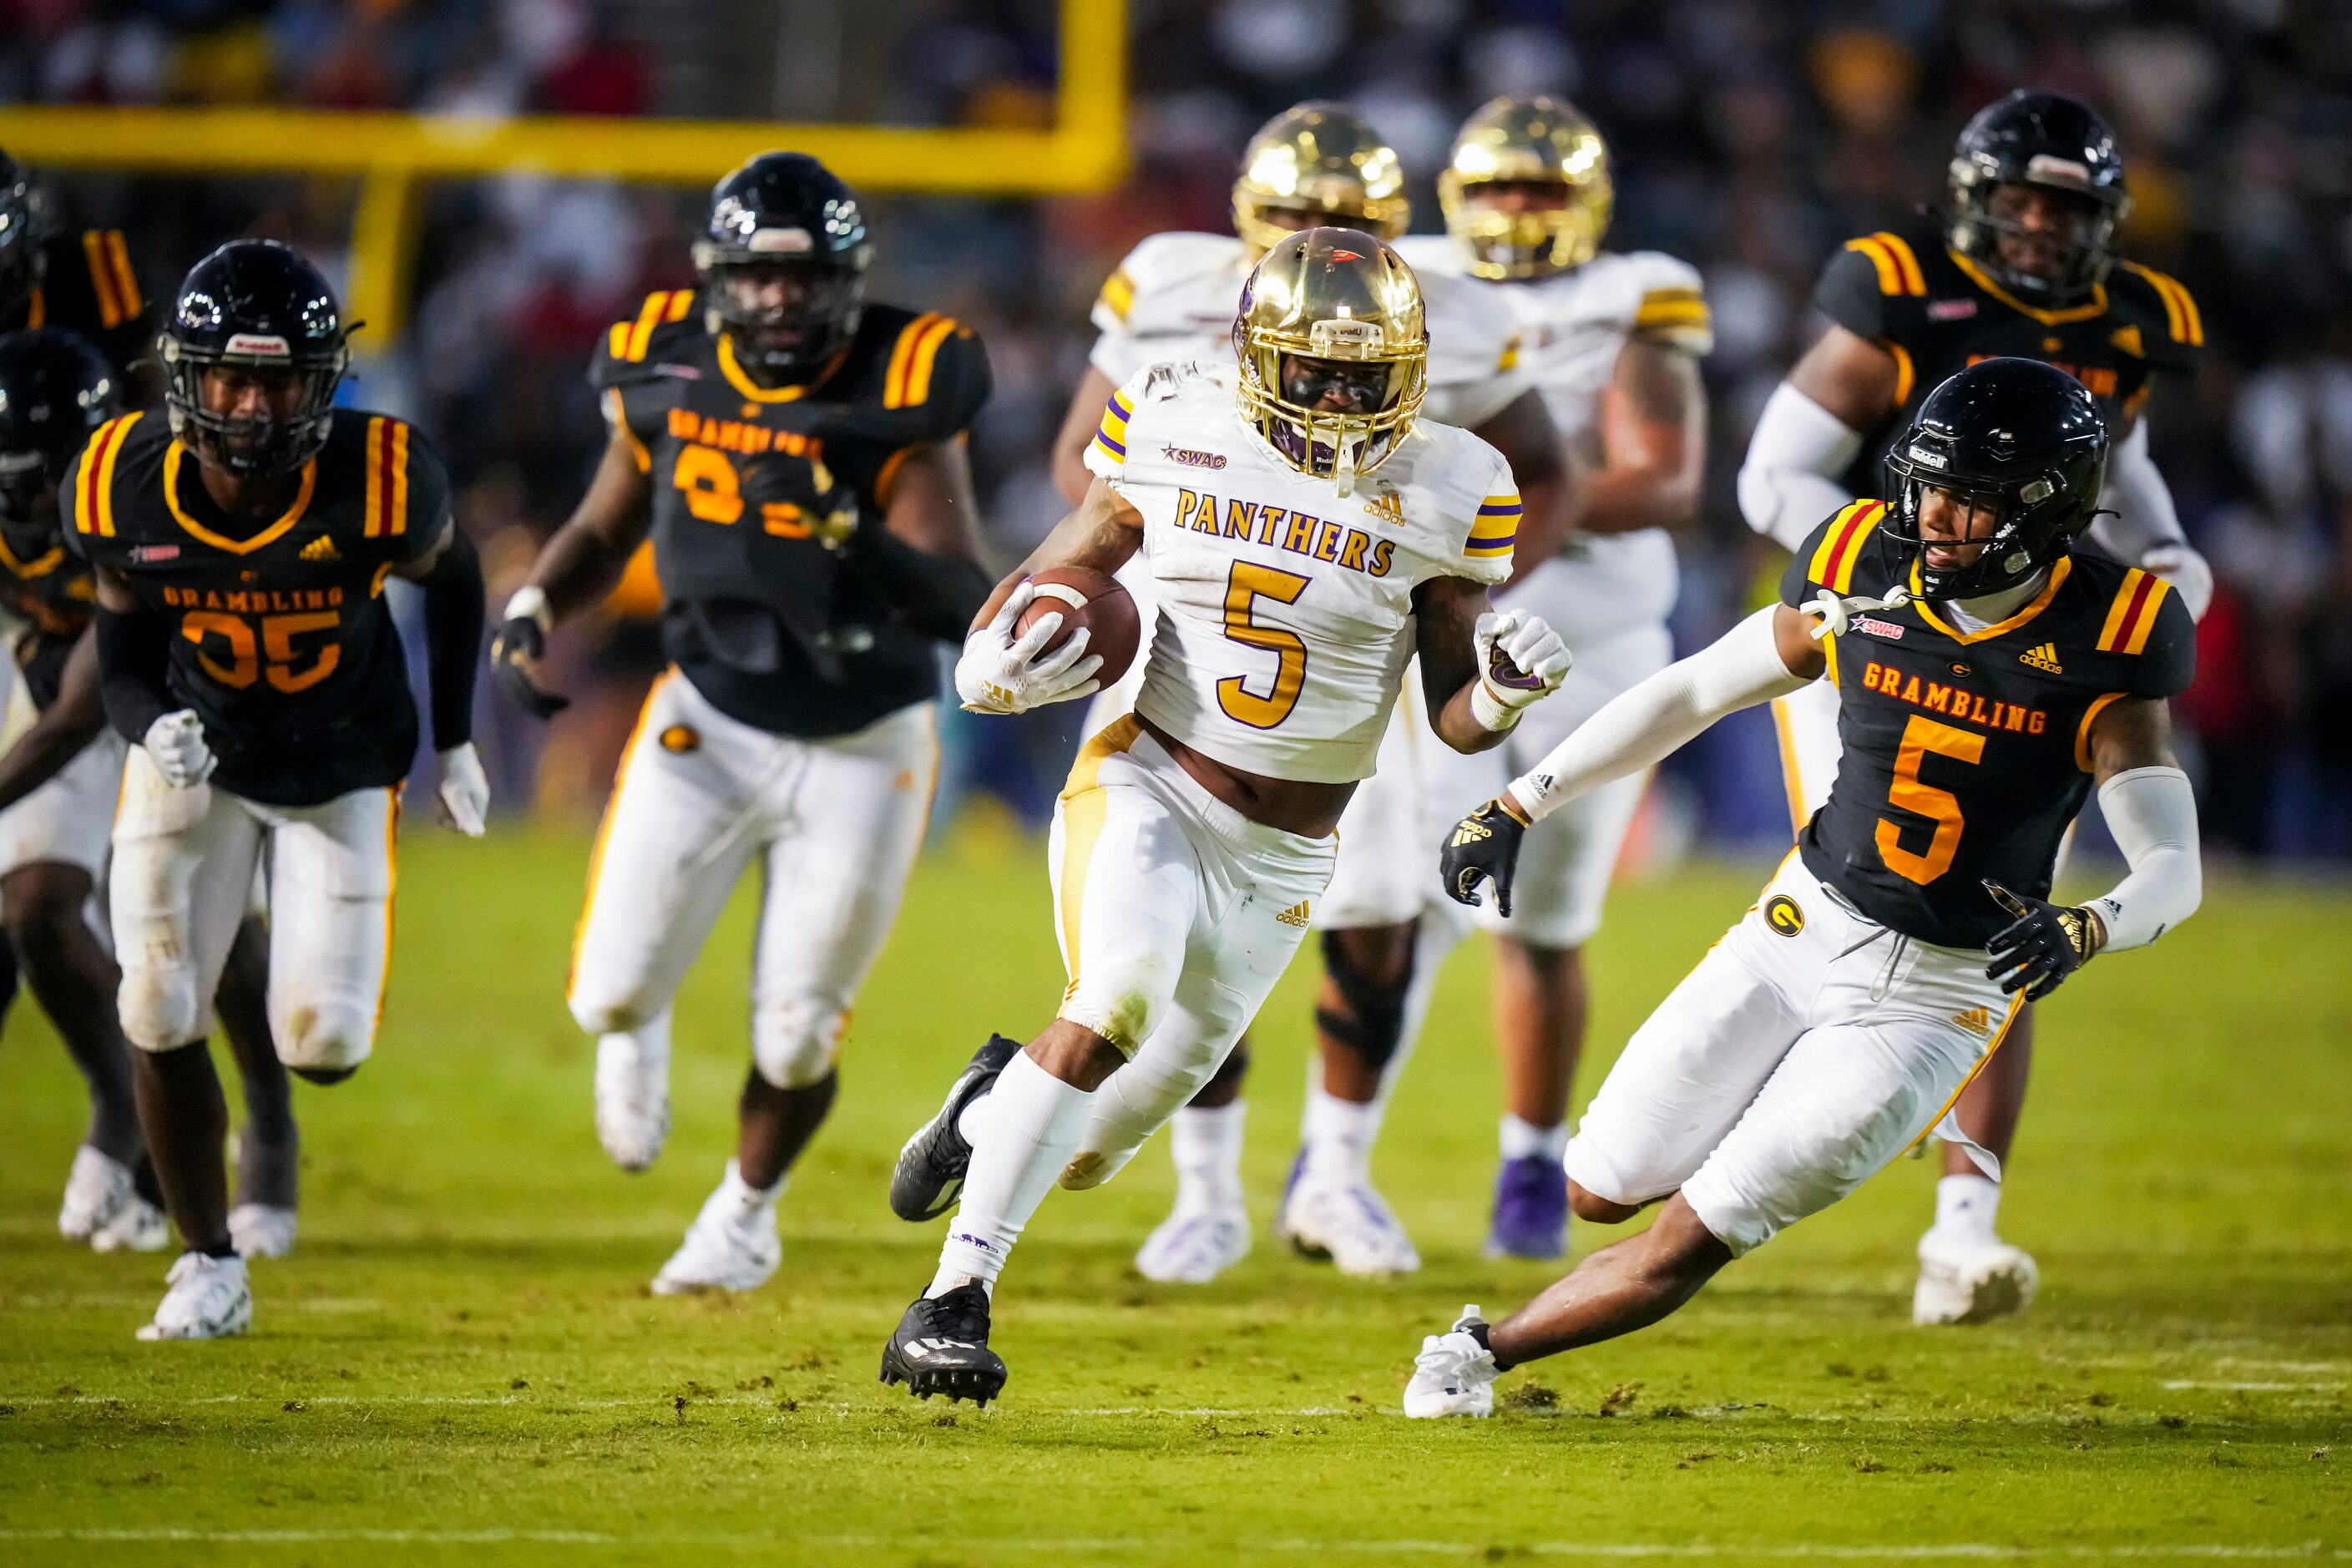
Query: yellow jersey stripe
{"points": [[1890, 276], [902, 359], [2136, 640], [680, 302], [1846, 529], [2082, 730], [642, 331], [644, 459], [927, 354], [2128, 595], [397, 520], [101, 280], [94, 512], [1904, 375], [373, 512], [616, 342], [126, 281], [1509, 358], [1907, 262], [1118, 293]]}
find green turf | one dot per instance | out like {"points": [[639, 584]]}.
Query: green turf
{"points": [[460, 1365]]}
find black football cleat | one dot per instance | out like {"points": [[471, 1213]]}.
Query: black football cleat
{"points": [[930, 1167], [942, 1347]]}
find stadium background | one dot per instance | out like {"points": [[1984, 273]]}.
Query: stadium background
{"points": [[1749, 137]]}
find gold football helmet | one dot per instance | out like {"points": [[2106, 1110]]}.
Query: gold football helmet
{"points": [[1334, 351], [1539, 141], [1321, 160]]}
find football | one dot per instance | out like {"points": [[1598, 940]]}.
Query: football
{"points": [[1092, 599]]}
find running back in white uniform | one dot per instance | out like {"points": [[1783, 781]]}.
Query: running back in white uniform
{"points": [[1609, 596]]}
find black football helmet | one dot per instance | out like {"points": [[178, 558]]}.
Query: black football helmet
{"points": [[2044, 138], [783, 214], [257, 306], [20, 235], [2019, 437], [55, 389]]}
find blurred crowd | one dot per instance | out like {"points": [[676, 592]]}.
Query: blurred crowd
{"points": [[1751, 137]]}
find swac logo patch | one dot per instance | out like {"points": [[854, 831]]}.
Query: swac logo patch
{"points": [[681, 738], [1194, 457], [1782, 913]]}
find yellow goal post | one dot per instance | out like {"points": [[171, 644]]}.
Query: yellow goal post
{"points": [[392, 153]]}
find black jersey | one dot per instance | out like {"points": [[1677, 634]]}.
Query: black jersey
{"points": [[281, 639], [50, 592], [766, 622], [1937, 312], [86, 286], [1965, 754]]}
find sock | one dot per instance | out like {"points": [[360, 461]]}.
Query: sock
{"points": [[1207, 1145], [1520, 1139], [971, 1122], [1032, 1134], [1968, 1206], [1339, 1136], [746, 1196]]}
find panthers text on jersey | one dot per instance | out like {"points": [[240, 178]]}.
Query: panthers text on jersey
{"points": [[1937, 312], [1965, 753], [281, 640], [50, 592], [88, 288], [774, 628], [1175, 296], [1284, 609], [1571, 328]]}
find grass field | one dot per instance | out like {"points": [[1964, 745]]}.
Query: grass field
{"points": [[460, 1363]]}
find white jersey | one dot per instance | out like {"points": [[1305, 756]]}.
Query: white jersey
{"points": [[1175, 296], [1571, 327], [1285, 610]]}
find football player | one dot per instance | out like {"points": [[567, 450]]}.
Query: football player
{"points": [[240, 544], [82, 282], [797, 453], [1173, 298], [2021, 264], [1988, 678], [1301, 555], [1613, 339]]}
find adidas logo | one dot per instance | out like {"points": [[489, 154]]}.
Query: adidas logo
{"points": [[2042, 658], [1469, 832], [1388, 508], [1296, 915], [321, 549], [1976, 1021]]}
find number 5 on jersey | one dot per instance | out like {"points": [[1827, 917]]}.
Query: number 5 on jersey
{"points": [[1247, 584]]}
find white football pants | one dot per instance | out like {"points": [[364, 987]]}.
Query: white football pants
{"points": [[834, 825]]}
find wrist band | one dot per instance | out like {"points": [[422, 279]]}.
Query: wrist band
{"points": [[1491, 711], [529, 604]]}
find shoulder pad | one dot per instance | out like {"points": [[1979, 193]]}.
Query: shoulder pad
{"points": [[937, 363], [629, 345], [87, 490], [1670, 306], [2132, 612], [1473, 336], [404, 492], [1832, 552], [1159, 275], [2162, 299]]}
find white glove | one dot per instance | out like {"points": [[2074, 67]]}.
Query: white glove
{"points": [[175, 744], [998, 674], [1521, 661], [463, 792]]}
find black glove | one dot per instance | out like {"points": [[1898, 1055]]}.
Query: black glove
{"points": [[1484, 844], [799, 497], [2044, 945], [515, 653]]}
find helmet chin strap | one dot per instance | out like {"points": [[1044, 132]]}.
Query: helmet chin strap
{"points": [[1343, 463]]}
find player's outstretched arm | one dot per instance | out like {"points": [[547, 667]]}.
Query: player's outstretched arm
{"points": [[67, 725], [1000, 672], [1480, 670], [1811, 430], [1653, 440], [578, 565], [2139, 525], [1769, 655], [134, 656], [2152, 813]]}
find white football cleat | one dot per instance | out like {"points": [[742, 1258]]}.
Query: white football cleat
{"points": [[97, 1188], [1350, 1223], [1453, 1374], [261, 1230], [1192, 1248], [1967, 1279], [732, 1245], [632, 1099], [209, 1300], [137, 1226]]}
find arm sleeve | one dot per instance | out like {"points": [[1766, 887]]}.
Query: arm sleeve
{"points": [[134, 652], [455, 608], [1789, 482], [2153, 815], [936, 595], [1651, 720]]}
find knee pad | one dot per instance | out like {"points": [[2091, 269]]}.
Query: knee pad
{"points": [[1131, 1105], [325, 1039], [604, 1015], [1122, 1003], [157, 1005], [1373, 1022], [794, 1038]]}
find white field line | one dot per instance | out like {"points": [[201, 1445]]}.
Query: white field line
{"points": [[2254, 1387], [1140, 1545]]}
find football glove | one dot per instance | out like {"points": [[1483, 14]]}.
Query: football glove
{"points": [[2046, 943], [799, 495], [1000, 673], [1521, 662], [1483, 846], [463, 796], [517, 649], [175, 744]]}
